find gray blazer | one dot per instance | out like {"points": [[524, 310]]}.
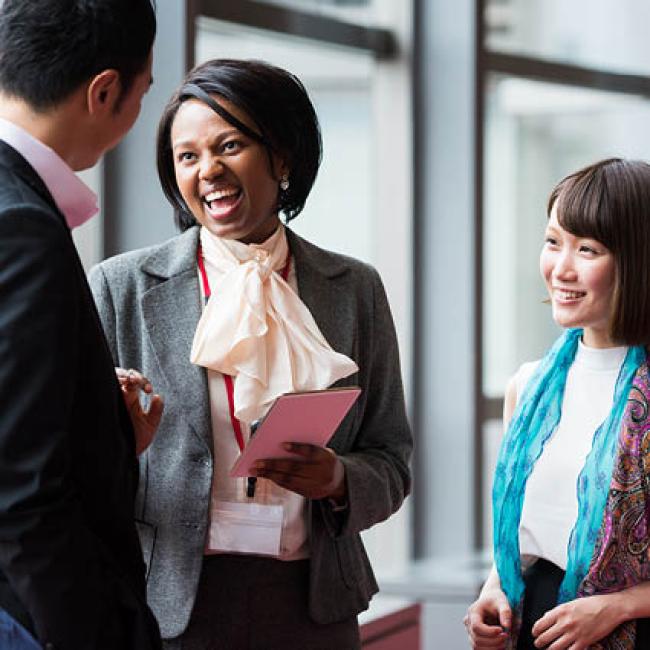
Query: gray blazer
{"points": [[149, 303]]}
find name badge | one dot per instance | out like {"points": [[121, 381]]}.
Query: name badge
{"points": [[243, 527]]}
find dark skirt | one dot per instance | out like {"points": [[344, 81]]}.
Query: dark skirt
{"points": [[253, 603], [542, 581]]}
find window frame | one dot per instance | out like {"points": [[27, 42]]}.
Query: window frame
{"points": [[381, 42]]}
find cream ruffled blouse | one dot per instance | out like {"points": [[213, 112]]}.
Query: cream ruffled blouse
{"points": [[257, 329]]}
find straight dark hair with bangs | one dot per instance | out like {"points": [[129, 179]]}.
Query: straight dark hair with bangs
{"points": [[276, 102], [609, 201]]}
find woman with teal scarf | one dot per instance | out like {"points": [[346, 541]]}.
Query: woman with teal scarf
{"points": [[571, 493]]}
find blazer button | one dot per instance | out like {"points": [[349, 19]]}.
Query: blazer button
{"points": [[50, 646]]}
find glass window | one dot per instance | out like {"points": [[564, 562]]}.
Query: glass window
{"points": [[536, 133], [604, 34], [361, 12]]}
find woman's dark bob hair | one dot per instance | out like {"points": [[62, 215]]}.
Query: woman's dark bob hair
{"points": [[276, 102], [609, 201]]}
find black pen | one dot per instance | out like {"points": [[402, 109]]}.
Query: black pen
{"points": [[251, 481]]}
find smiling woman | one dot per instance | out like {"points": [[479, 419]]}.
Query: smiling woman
{"points": [[579, 273], [571, 484], [226, 317], [227, 179]]}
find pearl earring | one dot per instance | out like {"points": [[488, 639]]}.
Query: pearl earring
{"points": [[284, 182]]}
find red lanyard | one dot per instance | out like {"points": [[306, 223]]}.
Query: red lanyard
{"points": [[230, 387]]}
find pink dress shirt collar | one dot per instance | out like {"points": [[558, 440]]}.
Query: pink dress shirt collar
{"points": [[73, 197]]}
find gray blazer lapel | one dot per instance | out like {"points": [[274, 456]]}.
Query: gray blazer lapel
{"points": [[323, 284], [171, 309]]}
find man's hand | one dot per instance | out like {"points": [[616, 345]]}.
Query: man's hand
{"points": [[145, 423]]}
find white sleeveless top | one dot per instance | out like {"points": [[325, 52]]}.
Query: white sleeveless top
{"points": [[550, 503]]}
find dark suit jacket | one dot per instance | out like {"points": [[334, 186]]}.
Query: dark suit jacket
{"points": [[71, 567], [150, 303]]}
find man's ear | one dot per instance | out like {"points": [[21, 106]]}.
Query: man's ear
{"points": [[103, 92]]}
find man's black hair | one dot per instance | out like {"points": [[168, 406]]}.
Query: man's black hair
{"points": [[48, 48]]}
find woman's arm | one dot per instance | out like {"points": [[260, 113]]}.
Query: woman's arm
{"points": [[584, 621], [377, 474], [372, 479], [509, 401], [489, 617]]}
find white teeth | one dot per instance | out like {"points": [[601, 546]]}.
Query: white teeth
{"points": [[220, 194], [569, 295]]}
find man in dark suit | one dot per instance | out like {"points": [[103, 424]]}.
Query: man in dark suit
{"points": [[72, 76]]}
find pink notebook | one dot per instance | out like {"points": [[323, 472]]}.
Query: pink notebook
{"points": [[310, 417]]}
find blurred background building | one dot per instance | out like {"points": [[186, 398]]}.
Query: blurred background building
{"points": [[445, 125]]}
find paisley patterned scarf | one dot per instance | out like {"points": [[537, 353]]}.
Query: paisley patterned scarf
{"points": [[598, 528], [620, 558]]}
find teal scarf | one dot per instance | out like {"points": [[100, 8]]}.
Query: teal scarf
{"points": [[536, 417]]}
